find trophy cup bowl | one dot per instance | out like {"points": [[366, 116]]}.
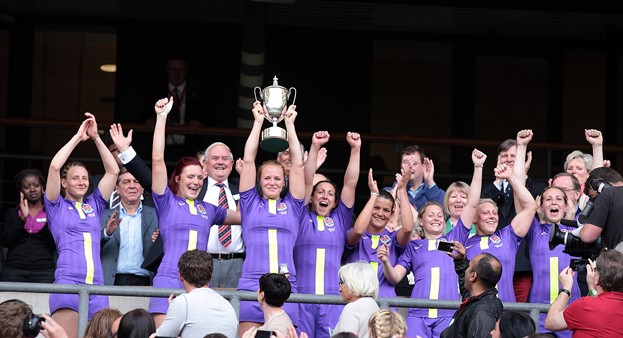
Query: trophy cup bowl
{"points": [[275, 103]]}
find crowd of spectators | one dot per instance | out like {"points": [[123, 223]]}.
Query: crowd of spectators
{"points": [[281, 228]]}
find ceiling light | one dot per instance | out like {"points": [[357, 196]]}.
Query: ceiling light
{"points": [[109, 68]]}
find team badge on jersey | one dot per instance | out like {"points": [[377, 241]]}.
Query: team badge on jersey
{"points": [[385, 239], [497, 241], [87, 208], [282, 208], [201, 208], [329, 223]]}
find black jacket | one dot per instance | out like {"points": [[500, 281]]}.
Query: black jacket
{"points": [[26, 251], [477, 315]]}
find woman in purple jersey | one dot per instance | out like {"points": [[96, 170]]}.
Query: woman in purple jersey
{"points": [[269, 224], [184, 221], [503, 243], [322, 235], [432, 266], [370, 233], [74, 222], [546, 264]]}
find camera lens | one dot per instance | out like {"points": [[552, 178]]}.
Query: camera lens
{"points": [[32, 325]]}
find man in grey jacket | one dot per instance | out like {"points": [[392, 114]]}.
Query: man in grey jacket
{"points": [[127, 235]]}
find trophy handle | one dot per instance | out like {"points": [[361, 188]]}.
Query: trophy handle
{"points": [[292, 89], [255, 93]]}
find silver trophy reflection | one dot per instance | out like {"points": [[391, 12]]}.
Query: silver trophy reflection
{"points": [[275, 103]]}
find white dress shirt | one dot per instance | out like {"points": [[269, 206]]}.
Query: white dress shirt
{"points": [[211, 196]]}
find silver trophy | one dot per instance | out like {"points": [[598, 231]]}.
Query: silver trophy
{"points": [[275, 103]]}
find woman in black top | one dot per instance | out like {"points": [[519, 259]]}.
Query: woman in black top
{"points": [[25, 233]]}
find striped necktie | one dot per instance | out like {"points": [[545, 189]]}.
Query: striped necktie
{"points": [[224, 231], [115, 199]]}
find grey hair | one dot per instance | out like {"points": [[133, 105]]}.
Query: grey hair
{"points": [[214, 145], [586, 158], [360, 278]]}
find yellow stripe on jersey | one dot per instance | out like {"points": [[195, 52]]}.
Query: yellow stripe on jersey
{"points": [[375, 265], [80, 212], [375, 241], [88, 255], [191, 206], [432, 244], [272, 207], [553, 279], [320, 221], [484, 242], [320, 259], [192, 240], [434, 290], [273, 250]]}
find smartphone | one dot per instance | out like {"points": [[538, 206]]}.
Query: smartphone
{"points": [[264, 334], [444, 246], [578, 264]]}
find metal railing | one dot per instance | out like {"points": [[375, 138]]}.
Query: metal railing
{"points": [[234, 297]]}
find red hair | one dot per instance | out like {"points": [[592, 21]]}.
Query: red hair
{"points": [[182, 163]]}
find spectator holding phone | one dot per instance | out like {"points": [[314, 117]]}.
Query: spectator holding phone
{"points": [[429, 262]]}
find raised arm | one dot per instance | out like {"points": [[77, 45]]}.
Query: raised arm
{"points": [[158, 166], [297, 177], [596, 139], [319, 139], [473, 197], [363, 220], [53, 184], [519, 170], [111, 168], [406, 215], [393, 274], [352, 170], [134, 163], [524, 200], [247, 172]]}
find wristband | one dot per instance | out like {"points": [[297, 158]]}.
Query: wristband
{"points": [[372, 193], [478, 166], [565, 291], [95, 138], [167, 109], [592, 292]]}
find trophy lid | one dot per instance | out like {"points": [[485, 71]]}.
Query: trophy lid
{"points": [[276, 84]]}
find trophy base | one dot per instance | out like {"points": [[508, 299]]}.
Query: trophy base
{"points": [[274, 140]]}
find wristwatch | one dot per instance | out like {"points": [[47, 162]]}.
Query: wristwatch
{"points": [[565, 291]]}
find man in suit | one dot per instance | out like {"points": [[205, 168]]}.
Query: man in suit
{"points": [[190, 107], [225, 243], [127, 235]]}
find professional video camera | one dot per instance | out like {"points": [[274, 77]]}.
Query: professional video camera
{"points": [[573, 244], [598, 186], [574, 247]]}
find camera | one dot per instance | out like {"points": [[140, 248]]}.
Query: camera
{"points": [[578, 265], [598, 185], [574, 247], [32, 325]]}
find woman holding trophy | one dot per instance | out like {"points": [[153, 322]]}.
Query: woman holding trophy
{"points": [[269, 223]]}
